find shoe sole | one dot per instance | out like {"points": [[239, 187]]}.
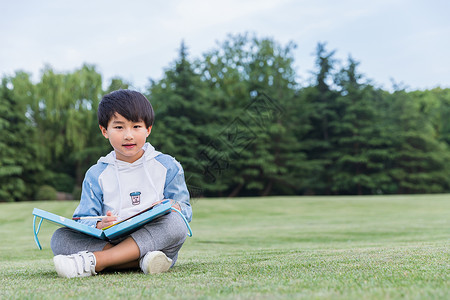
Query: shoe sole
{"points": [[158, 263]]}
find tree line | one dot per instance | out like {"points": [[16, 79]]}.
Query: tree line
{"points": [[240, 123]]}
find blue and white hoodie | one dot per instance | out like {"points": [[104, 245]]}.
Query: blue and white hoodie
{"points": [[128, 188]]}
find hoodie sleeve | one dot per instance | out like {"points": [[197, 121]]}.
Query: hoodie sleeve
{"points": [[91, 202], [175, 187]]}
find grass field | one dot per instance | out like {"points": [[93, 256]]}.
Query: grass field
{"points": [[380, 247]]}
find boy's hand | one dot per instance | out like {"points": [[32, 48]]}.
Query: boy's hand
{"points": [[105, 222], [175, 204]]}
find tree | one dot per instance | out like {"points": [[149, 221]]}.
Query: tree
{"points": [[64, 113], [254, 82], [117, 83], [358, 148], [18, 163], [240, 125], [435, 104], [184, 118], [419, 162], [321, 101]]}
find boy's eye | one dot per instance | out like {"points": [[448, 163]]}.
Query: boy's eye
{"points": [[137, 126], [118, 127]]}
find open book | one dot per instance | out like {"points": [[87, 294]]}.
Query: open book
{"points": [[116, 230]]}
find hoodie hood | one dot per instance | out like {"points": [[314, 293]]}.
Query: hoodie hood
{"points": [[124, 177], [149, 153]]}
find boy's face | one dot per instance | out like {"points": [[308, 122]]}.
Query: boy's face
{"points": [[126, 137]]}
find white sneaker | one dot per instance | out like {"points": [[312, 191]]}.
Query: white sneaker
{"points": [[155, 262], [80, 264]]}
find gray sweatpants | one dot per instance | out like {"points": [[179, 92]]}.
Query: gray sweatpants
{"points": [[166, 234]]}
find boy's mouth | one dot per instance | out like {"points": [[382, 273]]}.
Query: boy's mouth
{"points": [[129, 146]]}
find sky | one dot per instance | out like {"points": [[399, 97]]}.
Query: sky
{"points": [[401, 41]]}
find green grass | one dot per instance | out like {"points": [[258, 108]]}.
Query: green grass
{"points": [[380, 247]]}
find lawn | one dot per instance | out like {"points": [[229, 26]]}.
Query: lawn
{"points": [[377, 247]]}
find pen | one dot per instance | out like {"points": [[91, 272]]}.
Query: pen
{"points": [[91, 217]]}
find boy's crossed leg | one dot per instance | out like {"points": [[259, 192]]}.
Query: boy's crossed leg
{"points": [[81, 255]]}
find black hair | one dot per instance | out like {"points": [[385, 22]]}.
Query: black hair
{"points": [[132, 105]]}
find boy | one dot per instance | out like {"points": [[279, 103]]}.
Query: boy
{"points": [[126, 181]]}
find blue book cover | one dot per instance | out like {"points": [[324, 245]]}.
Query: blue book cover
{"points": [[114, 231], [127, 226]]}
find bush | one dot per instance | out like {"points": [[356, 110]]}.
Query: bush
{"points": [[46, 192], [76, 193], [62, 182]]}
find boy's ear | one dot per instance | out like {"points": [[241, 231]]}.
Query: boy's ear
{"points": [[149, 130], [104, 131]]}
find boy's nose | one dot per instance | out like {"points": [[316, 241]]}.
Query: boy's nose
{"points": [[128, 135]]}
